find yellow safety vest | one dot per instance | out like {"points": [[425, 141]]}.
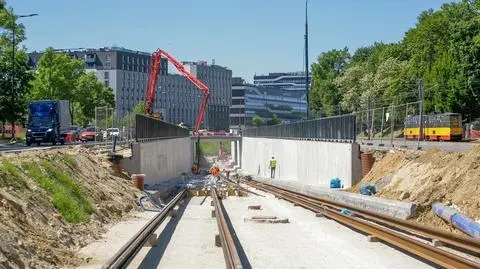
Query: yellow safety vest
{"points": [[273, 163]]}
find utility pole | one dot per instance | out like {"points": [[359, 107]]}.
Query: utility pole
{"points": [[420, 108], [306, 59], [14, 47], [368, 118]]}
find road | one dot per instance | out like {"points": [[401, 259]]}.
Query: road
{"points": [[5, 147], [424, 145]]}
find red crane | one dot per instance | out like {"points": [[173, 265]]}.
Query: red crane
{"points": [[154, 68]]}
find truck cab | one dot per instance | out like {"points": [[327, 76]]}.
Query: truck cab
{"points": [[48, 122]]}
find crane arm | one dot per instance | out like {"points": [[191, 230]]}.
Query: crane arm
{"points": [[153, 71]]}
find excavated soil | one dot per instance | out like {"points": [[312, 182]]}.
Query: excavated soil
{"points": [[452, 178], [34, 234]]}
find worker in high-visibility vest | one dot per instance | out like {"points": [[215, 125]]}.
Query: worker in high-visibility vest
{"points": [[272, 166], [215, 171]]}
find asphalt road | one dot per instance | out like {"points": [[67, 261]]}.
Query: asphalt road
{"points": [[5, 147], [424, 145]]}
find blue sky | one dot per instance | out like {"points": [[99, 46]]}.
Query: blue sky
{"points": [[247, 36]]}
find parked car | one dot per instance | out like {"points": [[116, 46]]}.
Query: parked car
{"points": [[111, 132], [88, 134], [75, 131]]}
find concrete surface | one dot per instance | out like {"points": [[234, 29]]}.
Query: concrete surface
{"points": [[101, 250], [307, 241], [160, 160], [393, 208], [308, 162], [187, 241]]}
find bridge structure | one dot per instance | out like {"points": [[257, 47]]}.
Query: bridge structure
{"points": [[310, 152]]}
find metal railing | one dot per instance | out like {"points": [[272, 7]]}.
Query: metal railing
{"points": [[147, 128], [336, 128]]}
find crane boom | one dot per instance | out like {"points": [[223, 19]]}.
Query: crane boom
{"points": [[154, 68]]}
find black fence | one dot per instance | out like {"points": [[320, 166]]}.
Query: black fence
{"points": [[150, 128], [337, 128]]}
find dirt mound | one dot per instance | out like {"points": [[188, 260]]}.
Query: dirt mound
{"points": [[53, 202], [435, 176]]}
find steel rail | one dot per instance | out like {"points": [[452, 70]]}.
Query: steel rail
{"points": [[124, 256], [421, 249], [232, 259], [456, 240]]}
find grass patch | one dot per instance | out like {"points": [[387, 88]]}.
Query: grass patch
{"points": [[210, 148], [69, 160], [10, 175], [67, 196]]}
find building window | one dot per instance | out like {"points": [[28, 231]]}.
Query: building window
{"points": [[107, 84], [128, 59], [108, 57], [123, 58], [106, 75]]}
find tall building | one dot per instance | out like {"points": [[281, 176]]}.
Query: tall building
{"points": [[219, 81], [126, 71], [282, 94]]}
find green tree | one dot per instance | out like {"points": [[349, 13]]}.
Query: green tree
{"points": [[62, 77], [275, 120], [89, 94], [324, 94], [14, 75], [56, 77], [445, 52], [257, 121]]}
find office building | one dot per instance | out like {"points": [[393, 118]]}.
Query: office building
{"points": [[219, 81], [126, 71], [282, 94]]}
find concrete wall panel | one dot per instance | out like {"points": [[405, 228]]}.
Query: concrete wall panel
{"points": [[308, 162], [161, 160]]}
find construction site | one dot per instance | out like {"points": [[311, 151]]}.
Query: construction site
{"points": [[343, 166], [236, 219]]}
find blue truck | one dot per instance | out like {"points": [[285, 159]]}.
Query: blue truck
{"points": [[48, 122]]}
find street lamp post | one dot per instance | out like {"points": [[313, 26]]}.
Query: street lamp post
{"points": [[13, 58]]}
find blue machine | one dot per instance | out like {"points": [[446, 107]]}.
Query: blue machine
{"points": [[335, 183], [48, 122], [368, 189]]}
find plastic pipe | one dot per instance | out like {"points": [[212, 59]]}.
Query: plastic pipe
{"points": [[462, 222]]}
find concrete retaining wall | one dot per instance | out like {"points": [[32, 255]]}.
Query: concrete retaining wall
{"points": [[393, 208], [308, 162], [161, 160]]}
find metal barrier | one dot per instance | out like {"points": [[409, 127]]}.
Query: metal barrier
{"points": [[147, 128], [336, 128]]}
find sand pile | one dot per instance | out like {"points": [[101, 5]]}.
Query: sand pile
{"points": [[34, 233], [452, 178]]}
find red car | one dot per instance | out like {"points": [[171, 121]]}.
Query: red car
{"points": [[88, 134]]}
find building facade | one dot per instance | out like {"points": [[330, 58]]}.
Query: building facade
{"points": [[126, 72], [282, 94], [219, 81]]}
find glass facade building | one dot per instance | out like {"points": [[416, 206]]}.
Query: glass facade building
{"points": [[282, 94]]}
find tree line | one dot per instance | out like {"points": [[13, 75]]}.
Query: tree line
{"points": [[443, 49], [57, 76]]}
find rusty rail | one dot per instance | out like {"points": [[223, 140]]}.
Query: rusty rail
{"points": [[232, 259], [412, 245], [124, 256], [455, 240]]}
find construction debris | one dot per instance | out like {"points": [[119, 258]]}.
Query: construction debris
{"points": [[451, 178]]}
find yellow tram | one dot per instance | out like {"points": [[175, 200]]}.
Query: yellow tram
{"points": [[443, 127]]}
